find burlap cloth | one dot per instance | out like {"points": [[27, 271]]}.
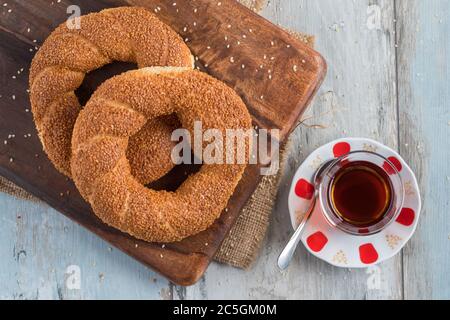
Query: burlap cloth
{"points": [[241, 247]]}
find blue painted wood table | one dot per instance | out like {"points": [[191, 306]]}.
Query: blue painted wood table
{"points": [[389, 80]]}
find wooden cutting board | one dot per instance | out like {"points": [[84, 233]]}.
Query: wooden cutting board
{"points": [[276, 94]]}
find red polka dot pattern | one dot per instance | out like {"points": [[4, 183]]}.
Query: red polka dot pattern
{"points": [[341, 148], [406, 217], [304, 189], [317, 241], [347, 250], [368, 254], [397, 164], [363, 231]]}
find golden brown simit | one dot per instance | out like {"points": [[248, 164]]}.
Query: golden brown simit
{"points": [[120, 108], [127, 34]]}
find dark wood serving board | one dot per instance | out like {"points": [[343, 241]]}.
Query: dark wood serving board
{"points": [[275, 100]]}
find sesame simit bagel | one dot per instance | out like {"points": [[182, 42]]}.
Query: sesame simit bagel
{"points": [[127, 34], [117, 110]]}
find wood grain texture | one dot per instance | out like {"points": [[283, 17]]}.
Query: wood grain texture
{"points": [[40, 249], [235, 44], [356, 88], [424, 109], [357, 99], [208, 27]]}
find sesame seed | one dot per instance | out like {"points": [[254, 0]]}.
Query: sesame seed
{"points": [[232, 59], [295, 68]]}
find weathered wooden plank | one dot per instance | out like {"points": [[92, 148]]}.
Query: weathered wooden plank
{"points": [[424, 115], [253, 42], [38, 246], [423, 55], [357, 99], [43, 252]]}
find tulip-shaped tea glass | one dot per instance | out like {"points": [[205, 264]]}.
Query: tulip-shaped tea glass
{"points": [[361, 193]]}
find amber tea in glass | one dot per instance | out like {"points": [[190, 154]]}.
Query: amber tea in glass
{"points": [[361, 193]]}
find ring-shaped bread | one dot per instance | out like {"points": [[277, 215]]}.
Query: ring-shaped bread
{"points": [[129, 34], [117, 110]]}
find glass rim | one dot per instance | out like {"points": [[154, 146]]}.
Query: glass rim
{"points": [[391, 214]]}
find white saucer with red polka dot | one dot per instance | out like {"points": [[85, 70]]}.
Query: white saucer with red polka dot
{"points": [[330, 243]]}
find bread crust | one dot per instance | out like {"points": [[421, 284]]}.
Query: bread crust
{"points": [[121, 107], [129, 34]]}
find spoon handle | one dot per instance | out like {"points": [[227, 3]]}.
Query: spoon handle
{"points": [[288, 252]]}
